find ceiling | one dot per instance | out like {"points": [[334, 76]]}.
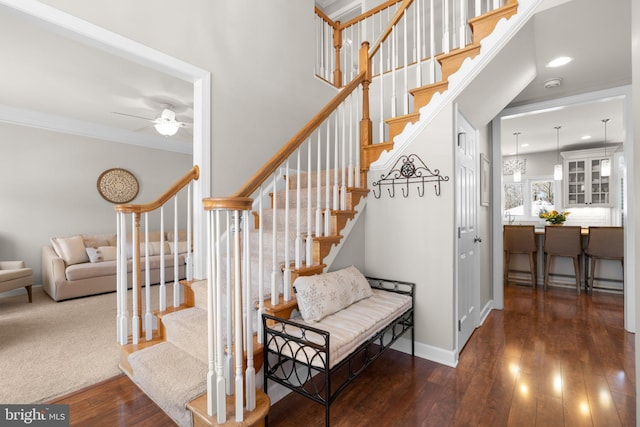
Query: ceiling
{"points": [[50, 75]]}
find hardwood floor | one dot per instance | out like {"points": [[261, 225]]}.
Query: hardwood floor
{"points": [[547, 359]]}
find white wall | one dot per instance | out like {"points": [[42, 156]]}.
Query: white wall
{"points": [[261, 57], [635, 49], [48, 186], [412, 238], [484, 228]]}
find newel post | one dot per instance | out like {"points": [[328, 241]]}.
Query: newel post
{"points": [[337, 45], [366, 127]]}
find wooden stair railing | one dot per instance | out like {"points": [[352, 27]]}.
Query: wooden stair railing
{"points": [[322, 147]]}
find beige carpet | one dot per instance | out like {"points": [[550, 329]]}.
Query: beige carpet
{"points": [[49, 349]]}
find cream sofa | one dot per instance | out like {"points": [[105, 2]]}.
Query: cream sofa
{"points": [[82, 265]]}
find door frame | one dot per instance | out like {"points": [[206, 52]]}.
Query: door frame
{"points": [[623, 92], [475, 295]]}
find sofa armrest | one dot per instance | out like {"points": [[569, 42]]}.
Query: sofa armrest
{"points": [[11, 265], [53, 271]]}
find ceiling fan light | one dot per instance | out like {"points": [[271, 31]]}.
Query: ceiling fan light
{"points": [[167, 128]]}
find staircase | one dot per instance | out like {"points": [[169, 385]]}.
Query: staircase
{"points": [[287, 220]]}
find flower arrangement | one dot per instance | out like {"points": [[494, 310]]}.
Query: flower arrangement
{"points": [[554, 217]]}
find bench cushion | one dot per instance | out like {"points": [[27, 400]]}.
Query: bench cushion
{"points": [[323, 294], [349, 328]]}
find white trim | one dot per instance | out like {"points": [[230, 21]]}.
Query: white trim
{"points": [[93, 35], [486, 310], [427, 352], [629, 230]]}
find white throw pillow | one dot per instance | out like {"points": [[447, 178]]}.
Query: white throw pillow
{"points": [[101, 254], [70, 249], [324, 294]]}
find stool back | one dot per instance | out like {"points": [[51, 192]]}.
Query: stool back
{"points": [[562, 240], [520, 238], [606, 242]]}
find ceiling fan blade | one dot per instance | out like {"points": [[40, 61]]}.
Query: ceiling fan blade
{"points": [[131, 115]]}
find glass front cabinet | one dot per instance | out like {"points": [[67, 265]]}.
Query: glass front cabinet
{"points": [[584, 184]]}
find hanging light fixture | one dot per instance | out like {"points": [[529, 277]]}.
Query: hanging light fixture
{"points": [[517, 173], [605, 164], [557, 169]]}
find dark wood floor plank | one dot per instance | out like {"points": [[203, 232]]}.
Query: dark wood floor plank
{"points": [[548, 359]]}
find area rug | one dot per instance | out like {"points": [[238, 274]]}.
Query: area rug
{"points": [[49, 349]]}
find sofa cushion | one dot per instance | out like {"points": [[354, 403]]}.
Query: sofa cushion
{"points": [[182, 236], [88, 270], [70, 249], [97, 240], [323, 294], [182, 247]]}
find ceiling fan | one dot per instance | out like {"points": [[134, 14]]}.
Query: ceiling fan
{"points": [[166, 123]]}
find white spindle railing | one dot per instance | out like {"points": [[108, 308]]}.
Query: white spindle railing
{"points": [[134, 253]]}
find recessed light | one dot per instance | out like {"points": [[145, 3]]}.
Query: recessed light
{"points": [[559, 61], [512, 154], [585, 137], [524, 145]]}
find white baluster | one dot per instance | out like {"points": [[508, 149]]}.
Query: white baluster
{"points": [[250, 373], [318, 196], [381, 123], [309, 205], [358, 114], [229, 306], [148, 317], [286, 286], [212, 406], [351, 171], [327, 211], [478, 8], [274, 260], [445, 27], [122, 278], [432, 44], [343, 162], [176, 267], [298, 243], [463, 24], [336, 161], [237, 307], [405, 65], [394, 66], [135, 258], [260, 266], [418, 43], [189, 254], [163, 288]]}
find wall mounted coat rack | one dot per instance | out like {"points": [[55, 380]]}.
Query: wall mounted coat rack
{"points": [[406, 171]]}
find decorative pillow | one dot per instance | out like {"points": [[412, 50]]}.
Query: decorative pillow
{"points": [[182, 247], [97, 240], [101, 254], [70, 249], [324, 294], [182, 236]]}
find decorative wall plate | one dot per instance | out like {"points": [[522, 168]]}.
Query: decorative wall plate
{"points": [[118, 185]]}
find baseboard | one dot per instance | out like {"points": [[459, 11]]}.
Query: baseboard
{"points": [[428, 352], [486, 310]]}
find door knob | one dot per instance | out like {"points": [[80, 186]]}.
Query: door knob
{"points": [[477, 239]]}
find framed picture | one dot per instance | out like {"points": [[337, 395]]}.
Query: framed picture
{"points": [[485, 180]]}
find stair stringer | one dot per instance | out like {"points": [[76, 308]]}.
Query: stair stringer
{"points": [[335, 249], [491, 45]]}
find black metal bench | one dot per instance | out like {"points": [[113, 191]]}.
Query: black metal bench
{"points": [[297, 356]]}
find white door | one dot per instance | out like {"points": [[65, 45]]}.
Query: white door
{"points": [[468, 261]]}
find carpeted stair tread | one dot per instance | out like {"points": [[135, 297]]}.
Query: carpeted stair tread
{"points": [[187, 330], [170, 377]]}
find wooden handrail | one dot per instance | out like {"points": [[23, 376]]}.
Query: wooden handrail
{"points": [[367, 14], [192, 175], [405, 4], [270, 167], [325, 18]]}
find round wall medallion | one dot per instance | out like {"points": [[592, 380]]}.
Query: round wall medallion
{"points": [[118, 185]]}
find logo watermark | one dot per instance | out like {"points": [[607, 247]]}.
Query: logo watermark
{"points": [[34, 415]]}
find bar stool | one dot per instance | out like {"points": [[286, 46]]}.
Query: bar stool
{"points": [[520, 239], [562, 241], [604, 243]]}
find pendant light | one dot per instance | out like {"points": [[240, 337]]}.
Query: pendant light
{"points": [[605, 164], [557, 169], [517, 173]]}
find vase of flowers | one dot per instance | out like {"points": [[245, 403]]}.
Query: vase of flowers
{"points": [[554, 217]]}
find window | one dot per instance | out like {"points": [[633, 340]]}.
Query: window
{"points": [[527, 198]]}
